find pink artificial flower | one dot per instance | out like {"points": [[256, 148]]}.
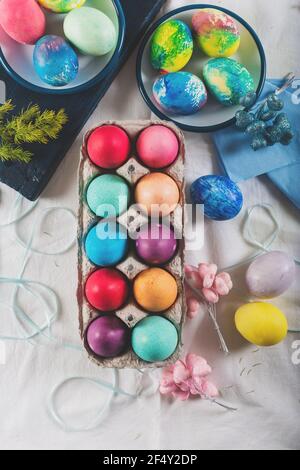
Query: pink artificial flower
{"points": [[211, 285], [188, 377]]}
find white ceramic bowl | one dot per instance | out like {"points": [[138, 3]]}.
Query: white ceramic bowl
{"points": [[213, 116], [17, 58]]}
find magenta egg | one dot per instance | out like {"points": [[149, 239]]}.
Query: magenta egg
{"points": [[156, 244], [108, 336]]}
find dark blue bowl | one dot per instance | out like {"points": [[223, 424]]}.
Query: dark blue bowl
{"points": [[17, 58], [213, 116]]}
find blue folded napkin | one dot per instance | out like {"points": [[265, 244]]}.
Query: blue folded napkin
{"points": [[281, 163]]}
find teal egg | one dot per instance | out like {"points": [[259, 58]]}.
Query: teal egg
{"points": [[228, 80], [106, 244], [108, 195], [154, 339]]}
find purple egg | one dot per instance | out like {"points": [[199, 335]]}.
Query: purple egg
{"points": [[271, 275], [156, 244], [108, 336]]}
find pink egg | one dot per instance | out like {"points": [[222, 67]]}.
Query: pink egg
{"points": [[23, 20], [157, 147]]}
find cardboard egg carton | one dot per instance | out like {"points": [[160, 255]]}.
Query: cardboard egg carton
{"points": [[131, 314]]}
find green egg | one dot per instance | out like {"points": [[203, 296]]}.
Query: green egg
{"points": [[154, 339], [91, 31], [108, 196], [171, 46], [228, 80]]}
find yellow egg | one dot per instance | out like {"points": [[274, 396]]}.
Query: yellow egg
{"points": [[261, 323], [155, 290]]}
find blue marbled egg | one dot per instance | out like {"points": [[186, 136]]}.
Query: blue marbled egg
{"points": [[228, 80], [221, 197], [54, 60], [180, 93]]}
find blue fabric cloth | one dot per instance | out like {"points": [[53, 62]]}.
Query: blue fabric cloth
{"points": [[287, 179], [282, 164]]}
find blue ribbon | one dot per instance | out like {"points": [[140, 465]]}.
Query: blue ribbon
{"points": [[50, 311]]}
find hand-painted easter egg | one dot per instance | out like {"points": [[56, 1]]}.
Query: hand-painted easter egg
{"points": [[61, 6], [23, 20], [156, 244], [54, 60], [108, 195], [107, 289], [157, 147], [154, 339], [270, 275], [108, 147], [180, 93], [91, 31], [221, 197], [157, 194], [216, 33], [228, 80], [261, 324], [106, 244], [171, 46], [108, 336], [155, 290]]}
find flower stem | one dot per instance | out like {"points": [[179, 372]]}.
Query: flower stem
{"points": [[212, 311], [216, 402]]}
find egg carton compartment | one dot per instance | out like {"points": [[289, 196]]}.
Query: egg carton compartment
{"points": [[132, 171]]}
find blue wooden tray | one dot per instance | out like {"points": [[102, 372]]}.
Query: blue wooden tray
{"points": [[31, 179]]}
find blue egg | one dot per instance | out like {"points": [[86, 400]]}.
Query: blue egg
{"points": [[221, 197], [54, 60], [154, 339], [180, 93], [106, 244]]}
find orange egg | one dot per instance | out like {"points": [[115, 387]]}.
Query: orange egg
{"points": [[157, 193], [155, 290]]}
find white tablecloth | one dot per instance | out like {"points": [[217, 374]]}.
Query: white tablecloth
{"points": [[267, 395]]}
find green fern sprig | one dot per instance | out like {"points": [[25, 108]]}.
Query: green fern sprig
{"points": [[5, 109], [28, 127], [11, 152]]}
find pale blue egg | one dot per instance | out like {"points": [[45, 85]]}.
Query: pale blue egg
{"points": [[221, 197], [180, 93], [54, 60]]}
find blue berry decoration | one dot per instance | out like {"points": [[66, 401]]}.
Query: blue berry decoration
{"points": [[275, 103], [244, 119], [259, 142], [248, 100], [267, 115], [265, 126], [281, 131], [257, 127]]}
